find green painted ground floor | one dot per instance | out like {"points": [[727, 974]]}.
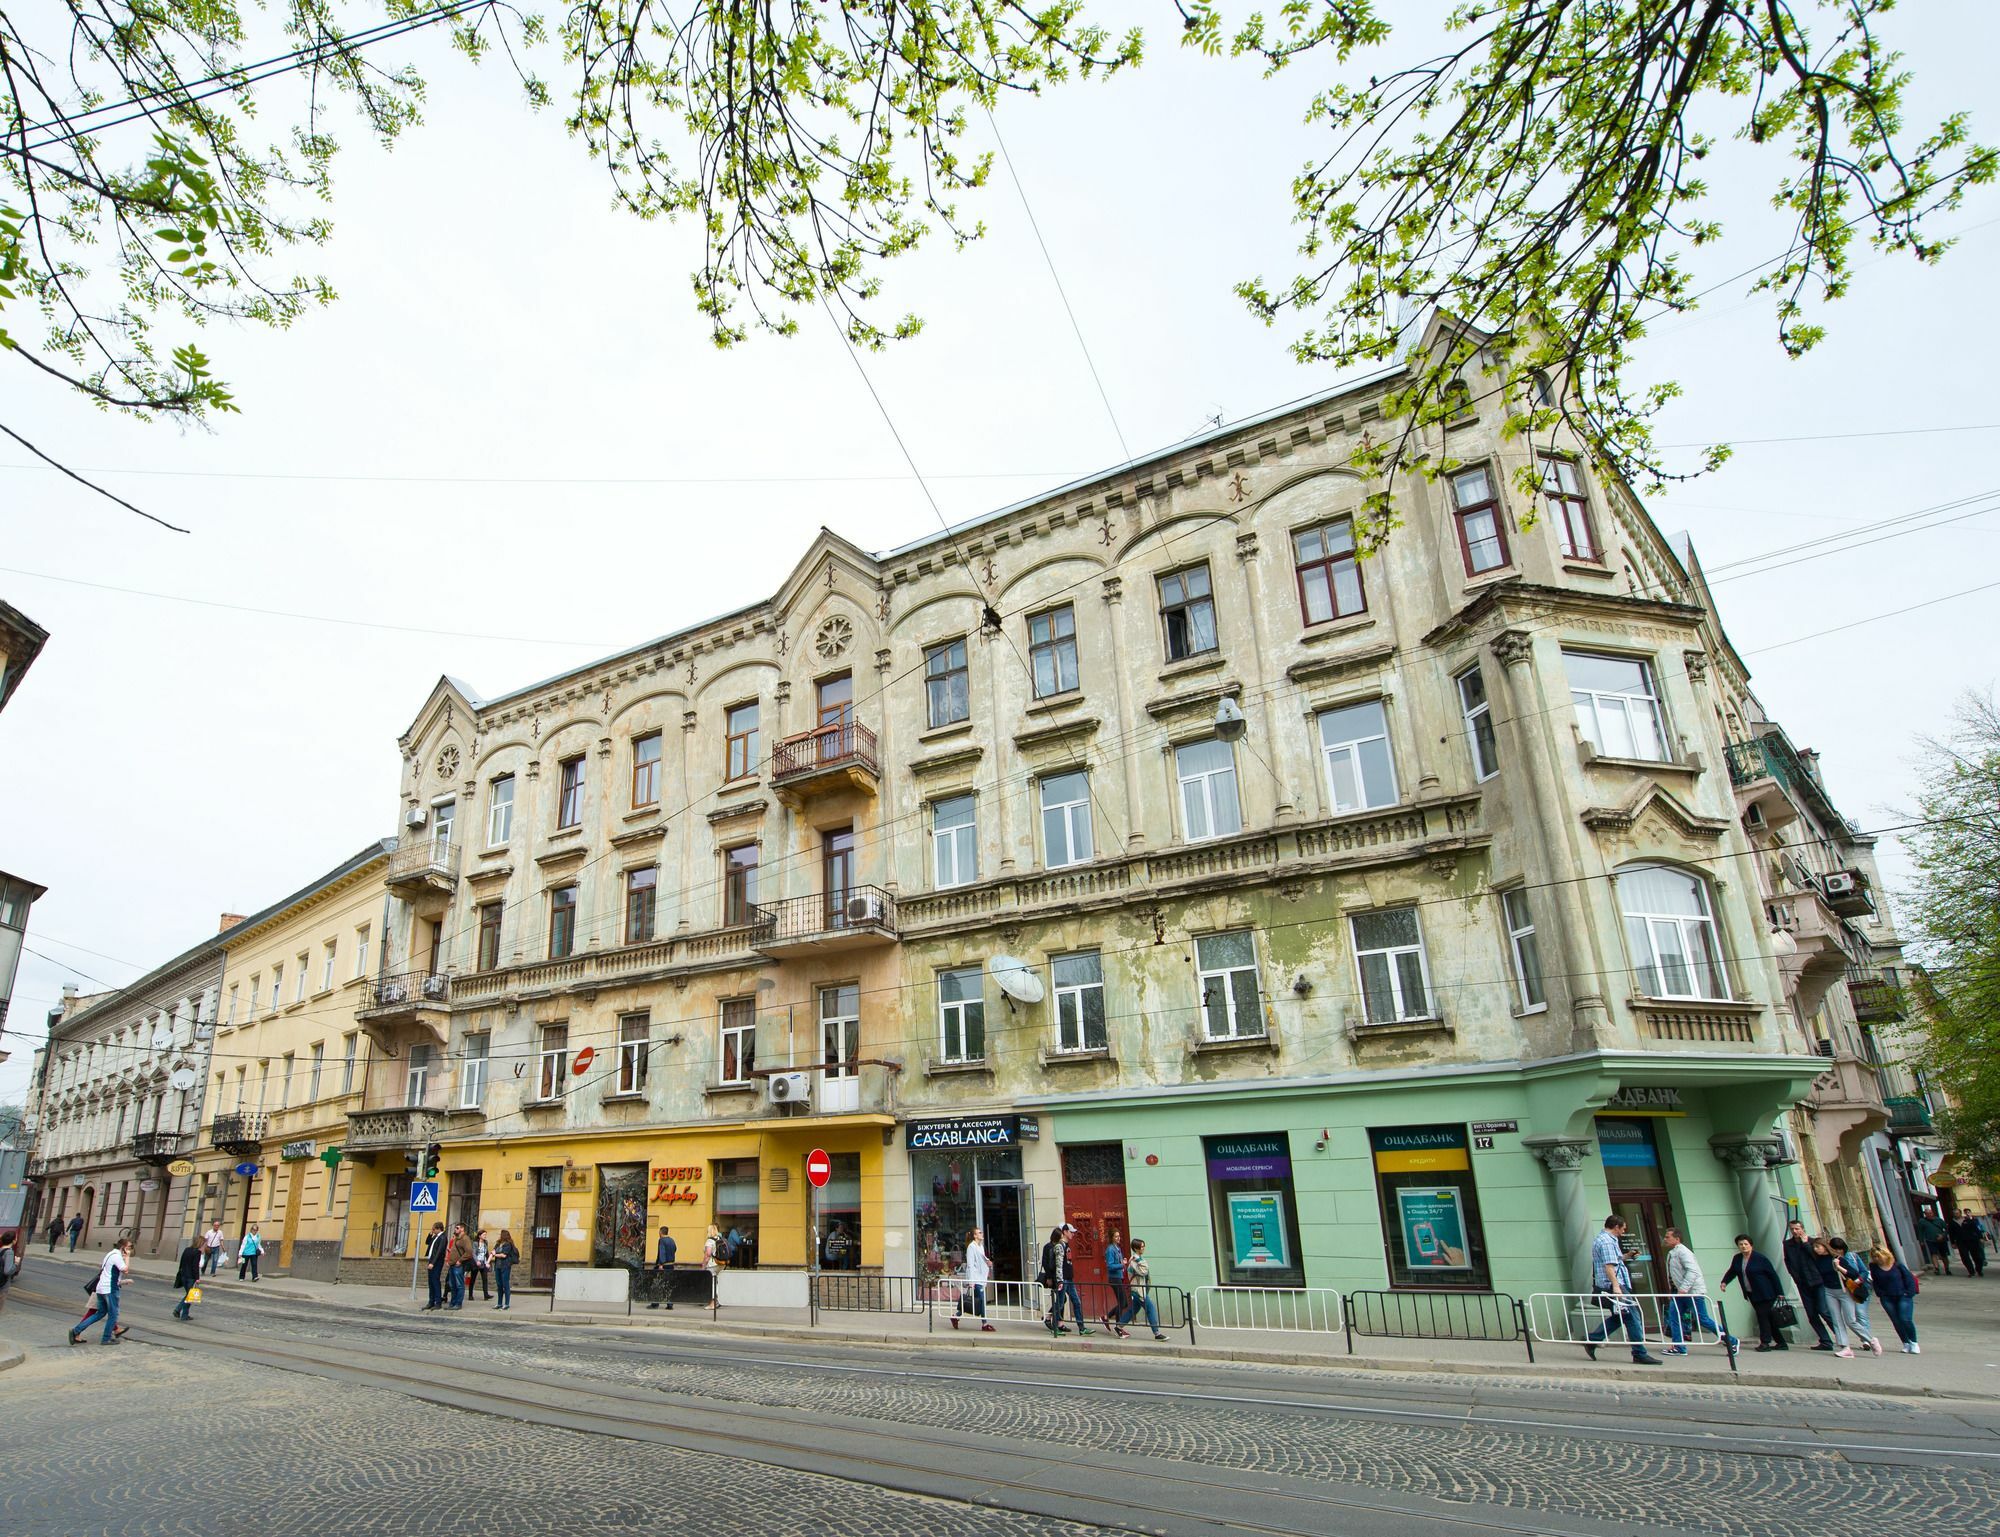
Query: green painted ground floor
{"points": [[1496, 1178]]}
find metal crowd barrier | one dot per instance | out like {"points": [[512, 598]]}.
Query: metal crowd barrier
{"points": [[1665, 1319], [1311, 1309], [852, 1292], [1437, 1315]]}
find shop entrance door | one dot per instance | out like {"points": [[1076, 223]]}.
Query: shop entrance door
{"points": [[1094, 1200], [545, 1226], [1007, 1216], [1647, 1217]]}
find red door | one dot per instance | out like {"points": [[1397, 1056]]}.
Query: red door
{"points": [[1094, 1201]]}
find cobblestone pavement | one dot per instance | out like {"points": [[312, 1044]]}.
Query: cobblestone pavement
{"points": [[134, 1442]]}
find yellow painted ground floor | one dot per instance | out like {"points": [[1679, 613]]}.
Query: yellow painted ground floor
{"points": [[604, 1197], [297, 1196]]}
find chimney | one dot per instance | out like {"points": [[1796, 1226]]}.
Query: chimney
{"points": [[229, 921]]}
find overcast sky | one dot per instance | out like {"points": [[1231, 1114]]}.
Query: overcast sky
{"points": [[435, 451]]}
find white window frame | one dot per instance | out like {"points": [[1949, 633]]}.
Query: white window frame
{"points": [[231, 1021], [349, 1061], [444, 815], [1517, 916], [1485, 749], [1391, 954], [1071, 1003], [746, 1061], [332, 949], [290, 1062], [839, 1030], [564, 821], [1593, 706], [956, 1015], [633, 1051], [1349, 749], [473, 1069], [955, 848], [499, 811], [317, 1072], [939, 698], [305, 973], [551, 1063], [1202, 795], [1073, 821], [417, 1074], [277, 987], [1686, 928], [1057, 646], [1223, 975]]}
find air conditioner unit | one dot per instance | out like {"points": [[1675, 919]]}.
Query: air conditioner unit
{"points": [[416, 816], [789, 1088], [865, 907], [1842, 883], [1753, 817]]}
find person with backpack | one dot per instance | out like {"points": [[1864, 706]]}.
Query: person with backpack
{"points": [[104, 1295], [1849, 1296], [1897, 1288], [1066, 1282], [506, 1255], [188, 1278]]}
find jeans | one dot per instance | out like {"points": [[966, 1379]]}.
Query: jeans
{"points": [[75, 1234], [1902, 1313], [1687, 1310], [503, 1277], [1141, 1300], [183, 1308], [1121, 1298], [249, 1263], [105, 1307], [1854, 1315], [214, 1259], [972, 1299], [1066, 1289], [1624, 1313], [435, 1276], [1812, 1302], [455, 1278]]}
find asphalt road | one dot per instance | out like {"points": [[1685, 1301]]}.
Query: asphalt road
{"points": [[280, 1417]]}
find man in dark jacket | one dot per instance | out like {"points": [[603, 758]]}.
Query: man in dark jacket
{"points": [[55, 1233], [663, 1269], [75, 1231], [1971, 1239], [188, 1276], [1804, 1271], [1759, 1279], [435, 1249]]}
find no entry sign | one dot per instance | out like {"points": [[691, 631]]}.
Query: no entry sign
{"points": [[583, 1060], [819, 1168]]}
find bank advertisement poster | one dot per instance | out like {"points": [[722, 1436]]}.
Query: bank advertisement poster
{"points": [[1433, 1228], [1257, 1230]]}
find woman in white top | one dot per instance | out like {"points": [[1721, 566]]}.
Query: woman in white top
{"points": [[104, 1295], [712, 1260], [978, 1271]]}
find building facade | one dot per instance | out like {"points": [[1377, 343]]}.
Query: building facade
{"points": [[288, 1064], [120, 1100], [1137, 856]]}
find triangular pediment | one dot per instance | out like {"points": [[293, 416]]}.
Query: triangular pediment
{"points": [[1658, 800]]}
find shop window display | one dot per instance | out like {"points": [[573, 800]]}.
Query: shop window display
{"points": [[1432, 1236]]}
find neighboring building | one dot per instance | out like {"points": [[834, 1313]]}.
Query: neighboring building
{"points": [[21, 641], [17, 899], [287, 1066], [1938, 1177], [1385, 919], [121, 1098]]}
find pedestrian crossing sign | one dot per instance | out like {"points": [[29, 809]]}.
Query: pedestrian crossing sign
{"points": [[424, 1195]]}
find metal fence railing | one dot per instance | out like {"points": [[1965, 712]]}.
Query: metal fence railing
{"points": [[1662, 1318], [1310, 1309], [857, 1292], [1437, 1315]]}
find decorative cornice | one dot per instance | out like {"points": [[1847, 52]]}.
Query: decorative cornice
{"points": [[1655, 797], [1049, 736], [1320, 669]]}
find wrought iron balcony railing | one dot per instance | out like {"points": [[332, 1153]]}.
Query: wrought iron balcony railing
{"points": [[839, 919], [241, 1129], [158, 1146], [424, 859], [1909, 1113], [409, 990], [845, 744]]}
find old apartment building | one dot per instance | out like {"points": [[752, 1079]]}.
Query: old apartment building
{"points": [[1136, 855]]}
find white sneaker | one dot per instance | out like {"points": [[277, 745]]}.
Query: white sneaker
{"points": [[1909, 1350], [1915, 1348], [1876, 1346], [1844, 1353]]}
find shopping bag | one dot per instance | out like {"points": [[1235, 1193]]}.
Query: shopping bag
{"points": [[194, 1294]]}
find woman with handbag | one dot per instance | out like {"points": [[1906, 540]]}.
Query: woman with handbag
{"points": [[1759, 1280], [1898, 1290], [506, 1254], [1854, 1292]]}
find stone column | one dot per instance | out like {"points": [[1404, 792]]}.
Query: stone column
{"points": [[1564, 1157], [1751, 1158], [1282, 808], [1135, 831]]}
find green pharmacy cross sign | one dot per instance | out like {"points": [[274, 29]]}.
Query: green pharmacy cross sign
{"points": [[331, 1158]]}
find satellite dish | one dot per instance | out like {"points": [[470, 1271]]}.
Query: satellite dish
{"points": [[163, 1039], [1016, 978], [182, 1078]]}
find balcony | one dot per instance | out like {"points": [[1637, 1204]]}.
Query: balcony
{"points": [[424, 872], [420, 998], [158, 1147], [1874, 993], [1818, 956], [241, 1133], [370, 1131], [848, 919], [1845, 1104], [1909, 1115], [38, 1166], [831, 759], [1763, 772]]}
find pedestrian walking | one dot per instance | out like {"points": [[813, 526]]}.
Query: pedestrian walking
{"points": [[482, 1267], [978, 1271], [55, 1233], [1759, 1279], [1689, 1307], [1935, 1244], [214, 1245], [1970, 1236], [111, 1273], [1066, 1277], [1139, 1282], [714, 1259], [1897, 1288], [1049, 1273], [1851, 1292], [249, 1253], [506, 1255], [435, 1249], [188, 1278], [663, 1270], [75, 1231], [458, 1260], [1802, 1265], [10, 1259], [1121, 1296], [1611, 1281]]}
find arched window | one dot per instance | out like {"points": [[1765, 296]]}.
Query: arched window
{"points": [[1543, 392], [1670, 927]]}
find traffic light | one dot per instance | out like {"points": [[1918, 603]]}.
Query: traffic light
{"points": [[433, 1156], [413, 1161]]}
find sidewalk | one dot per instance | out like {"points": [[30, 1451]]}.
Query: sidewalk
{"points": [[1958, 1319]]}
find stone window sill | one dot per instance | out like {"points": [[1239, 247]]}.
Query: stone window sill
{"points": [[939, 1069], [627, 1097], [1056, 1056], [1333, 629], [1048, 702], [1691, 765], [1433, 1024], [541, 1104], [1202, 1045], [1207, 661], [947, 731], [467, 1111], [1587, 567]]}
